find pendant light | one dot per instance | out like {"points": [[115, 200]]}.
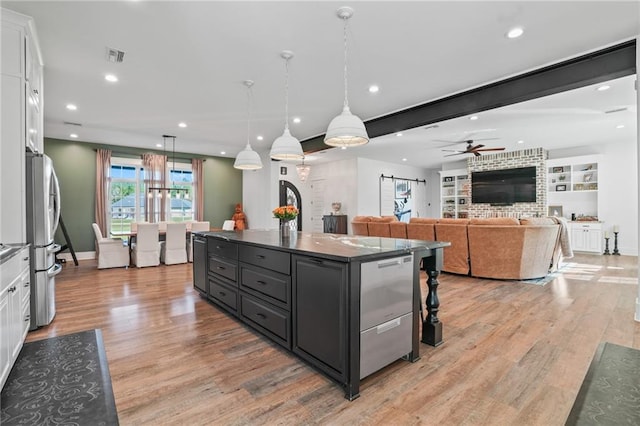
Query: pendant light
{"points": [[286, 147], [248, 159], [303, 170], [346, 129]]}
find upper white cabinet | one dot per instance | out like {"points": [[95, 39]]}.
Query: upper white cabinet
{"points": [[21, 116]]}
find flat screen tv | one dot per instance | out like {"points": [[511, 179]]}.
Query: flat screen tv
{"points": [[503, 187]]}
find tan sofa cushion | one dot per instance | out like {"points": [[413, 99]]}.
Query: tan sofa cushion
{"points": [[456, 256], [495, 221], [427, 220], [359, 225], [421, 230], [383, 219], [398, 229], [511, 252]]}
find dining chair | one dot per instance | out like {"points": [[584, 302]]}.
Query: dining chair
{"points": [[110, 252], [173, 249], [196, 227], [145, 251]]}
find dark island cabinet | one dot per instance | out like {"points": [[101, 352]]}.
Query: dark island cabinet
{"points": [[199, 259], [324, 298], [222, 274], [335, 224], [320, 313]]}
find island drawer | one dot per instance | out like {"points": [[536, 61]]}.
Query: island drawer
{"points": [[278, 261], [265, 282], [275, 322], [223, 294], [221, 267], [222, 248]]}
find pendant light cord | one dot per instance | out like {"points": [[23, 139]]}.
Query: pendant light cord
{"points": [[248, 115], [346, 101], [286, 94]]}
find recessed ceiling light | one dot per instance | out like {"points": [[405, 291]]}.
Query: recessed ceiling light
{"points": [[73, 135], [259, 137], [515, 32], [296, 120], [473, 117], [399, 134], [159, 145], [71, 107], [182, 125], [373, 89], [520, 141], [111, 78], [603, 88], [344, 147], [404, 159], [620, 126], [223, 152]]}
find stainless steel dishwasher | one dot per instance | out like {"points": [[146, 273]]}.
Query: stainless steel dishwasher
{"points": [[386, 297]]}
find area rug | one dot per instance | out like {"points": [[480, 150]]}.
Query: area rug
{"points": [[61, 380], [610, 392]]}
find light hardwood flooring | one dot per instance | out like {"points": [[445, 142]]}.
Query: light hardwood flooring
{"points": [[514, 354]]}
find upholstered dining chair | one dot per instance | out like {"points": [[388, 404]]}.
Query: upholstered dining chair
{"points": [[110, 252], [173, 249], [196, 227], [145, 251]]}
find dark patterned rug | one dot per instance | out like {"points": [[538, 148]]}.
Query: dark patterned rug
{"points": [[610, 392], [60, 381]]}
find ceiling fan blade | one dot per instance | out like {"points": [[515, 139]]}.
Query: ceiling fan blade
{"points": [[490, 149], [453, 150], [477, 154], [457, 153]]}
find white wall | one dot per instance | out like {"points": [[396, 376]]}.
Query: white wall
{"points": [[369, 172], [259, 187], [617, 188]]}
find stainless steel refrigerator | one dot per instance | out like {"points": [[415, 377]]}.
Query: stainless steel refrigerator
{"points": [[43, 215]]}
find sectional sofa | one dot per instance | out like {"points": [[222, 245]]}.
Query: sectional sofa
{"points": [[497, 248]]}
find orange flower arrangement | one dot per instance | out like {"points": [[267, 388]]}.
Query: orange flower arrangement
{"points": [[285, 212]]}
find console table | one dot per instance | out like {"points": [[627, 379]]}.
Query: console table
{"points": [[363, 293], [335, 224]]}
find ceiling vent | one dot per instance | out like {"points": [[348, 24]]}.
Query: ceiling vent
{"points": [[69, 123], [612, 111], [115, 55]]}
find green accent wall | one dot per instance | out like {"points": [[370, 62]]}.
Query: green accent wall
{"points": [[75, 165]]}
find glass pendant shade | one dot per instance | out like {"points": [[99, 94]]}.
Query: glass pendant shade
{"points": [[248, 159], [346, 130], [303, 171], [286, 147]]}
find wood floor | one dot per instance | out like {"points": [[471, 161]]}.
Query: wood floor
{"points": [[514, 354]]}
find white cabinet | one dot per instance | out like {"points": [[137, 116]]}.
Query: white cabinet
{"points": [[586, 236], [15, 293], [455, 188], [21, 115]]}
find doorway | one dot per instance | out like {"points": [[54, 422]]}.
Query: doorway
{"points": [[289, 195]]}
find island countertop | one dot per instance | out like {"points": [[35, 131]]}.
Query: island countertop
{"points": [[329, 246]]}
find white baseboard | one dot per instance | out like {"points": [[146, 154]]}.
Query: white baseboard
{"points": [[81, 255]]}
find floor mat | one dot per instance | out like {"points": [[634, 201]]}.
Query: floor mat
{"points": [[61, 380], [610, 392]]}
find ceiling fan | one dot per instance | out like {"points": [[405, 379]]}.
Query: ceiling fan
{"points": [[471, 149]]}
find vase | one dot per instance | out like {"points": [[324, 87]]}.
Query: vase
{"points": [[285, 228]]}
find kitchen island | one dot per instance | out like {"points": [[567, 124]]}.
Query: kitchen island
{"points": [[348, 305]]}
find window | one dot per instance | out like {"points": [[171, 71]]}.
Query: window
{"points": [[128, 195], [126, 192], [181, 194]]}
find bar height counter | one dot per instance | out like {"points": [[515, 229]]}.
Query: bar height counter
{"points": [[318, 295]]}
